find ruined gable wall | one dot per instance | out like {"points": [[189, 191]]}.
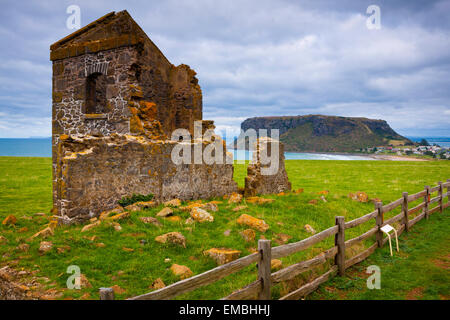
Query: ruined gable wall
{"points": [[256, 182]]}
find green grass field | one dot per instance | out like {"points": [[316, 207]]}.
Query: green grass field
{"points": [[25, 188]]}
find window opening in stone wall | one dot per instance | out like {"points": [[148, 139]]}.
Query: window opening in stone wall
{"points": [[95, 93]]}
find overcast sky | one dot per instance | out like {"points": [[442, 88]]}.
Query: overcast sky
{"points": [[256, 58]]}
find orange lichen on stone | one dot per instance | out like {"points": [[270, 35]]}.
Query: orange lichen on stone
{"points": [[9, 220], [222, 255], [181, 271], [253, 222]]}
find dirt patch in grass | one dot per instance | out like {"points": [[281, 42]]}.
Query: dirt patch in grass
{"points": [[442, 262], [415, 294]]}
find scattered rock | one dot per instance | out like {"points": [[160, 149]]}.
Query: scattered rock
{"points": [[117, 226], [6, 274], [151, 220], [45, 246], [167, 260], [359, 196], [173, 218], [239, 208], [222, 255], [173, 203], [165, 212], [23, 247], [157, 284], [172, 237], [62, 249], [145, 204], [276, 264], [252, 250], [181, 271], [132, 208], [93, 238], [106, 214], [235, 198], [323, 199], [248, 235], [259, 200], [313, 202], [118, 290], [211, 206], [201, 215], [9, 220], [309, 229], [253, 222], [189, 221], [120, 216], [283, 238], [227, 233], [90, 226]]}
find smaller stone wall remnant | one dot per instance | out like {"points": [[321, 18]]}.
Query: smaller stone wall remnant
{"points": [[266, 173]]}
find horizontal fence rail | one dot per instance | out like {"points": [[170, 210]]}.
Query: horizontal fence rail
{"points": [[261, 288]]}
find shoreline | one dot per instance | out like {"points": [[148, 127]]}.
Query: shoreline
{"points": [[365, 155]]}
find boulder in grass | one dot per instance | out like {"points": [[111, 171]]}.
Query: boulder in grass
{"points": [[222, 255], [106, 214], [165, 212], [234, 198], [157, 284], [9, 220], [172, 237], [309, 229], [248, 234], [181, 271], [253, 222], [45, 246], [276, 264], [173, 203], [90, 226], [200, 215]]}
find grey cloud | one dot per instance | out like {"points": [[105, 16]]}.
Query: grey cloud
{"points": [[259, 58]]}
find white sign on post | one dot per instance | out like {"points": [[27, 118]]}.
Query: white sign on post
{"points": [[386, 229]]}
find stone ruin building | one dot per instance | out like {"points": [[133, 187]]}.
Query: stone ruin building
{"points": [[116, 100]]}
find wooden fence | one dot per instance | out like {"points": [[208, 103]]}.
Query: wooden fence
{"points": [[261, 288]]}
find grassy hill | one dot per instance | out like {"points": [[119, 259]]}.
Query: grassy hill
{"points": [[319, 133], [104, 256]]}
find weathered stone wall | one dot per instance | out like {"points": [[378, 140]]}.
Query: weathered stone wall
{"points": [[93, 173], [261, 177]]}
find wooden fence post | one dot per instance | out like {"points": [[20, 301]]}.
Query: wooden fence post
{"points": [[106, 294], [379, 221], [426, 199], [448, 191], [440, 193], [339, 241], [264, 272], [405, 211]]}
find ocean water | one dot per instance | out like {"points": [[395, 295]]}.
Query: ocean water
{"points": [[442, 141], [42, 147], [34, 147], [247, 155]]}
